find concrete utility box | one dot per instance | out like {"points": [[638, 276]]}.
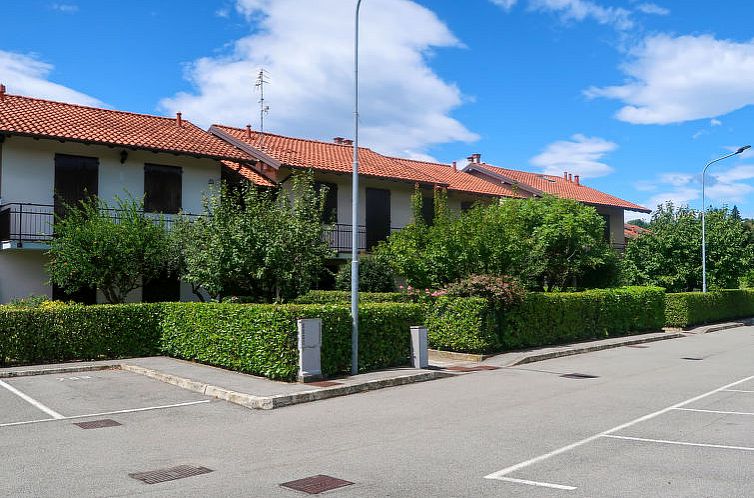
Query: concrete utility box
{"points": [[419, 351], [309, 349]]}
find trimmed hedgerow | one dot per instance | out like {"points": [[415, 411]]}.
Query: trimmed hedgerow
{"points": [[75, 332], [684, 309], [335, 297], [556, 318], [463, 325], [262, 339]]}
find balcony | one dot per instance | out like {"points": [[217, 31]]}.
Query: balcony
{"points": [[339, 237]]}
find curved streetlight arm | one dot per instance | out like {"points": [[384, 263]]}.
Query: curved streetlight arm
{"points": [[355, 207], [704, 210]]}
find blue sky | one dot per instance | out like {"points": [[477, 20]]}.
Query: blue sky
{"points": [[633, 95]]}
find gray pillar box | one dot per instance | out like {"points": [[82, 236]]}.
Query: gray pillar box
{"points": [[419, 351], [309, 349]]}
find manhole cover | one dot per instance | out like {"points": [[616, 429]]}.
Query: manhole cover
{"points": [[98, 424], [316, 484], [579, 376], [171, 474], [324, 383], [692, 358]]}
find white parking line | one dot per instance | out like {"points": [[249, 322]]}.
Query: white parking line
{"points": [[133, 410], [738, 391], [537, 483], [564, 449], [713, 411], [32, 401], [680, 443]]}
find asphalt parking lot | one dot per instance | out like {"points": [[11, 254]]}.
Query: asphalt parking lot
{"points": [[673, 418]]}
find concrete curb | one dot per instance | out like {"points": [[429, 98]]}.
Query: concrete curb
{"points": [[573, 351], [436, 354], [280, 400], [58, 370]]}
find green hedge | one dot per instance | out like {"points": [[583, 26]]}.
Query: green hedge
{"points": [[75, 332], [692, 308], [463, 325], [556, 318], [262, 339], [335, 297]]}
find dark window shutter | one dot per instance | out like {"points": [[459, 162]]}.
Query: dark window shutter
{"points": [[330, 211], [163, 189], [428, 210]]}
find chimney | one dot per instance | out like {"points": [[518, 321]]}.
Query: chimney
{"points": [[577, 180], [455, 166], [347, 141], [2, 92], [470, 159], [565, 175], [570, 177], [248, 131], [338, 140], [477, 158], [178, 119]]}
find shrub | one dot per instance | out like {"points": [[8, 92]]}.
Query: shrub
{"points": [[29, 301], [463, 325], [74, 332], [554, 318], [331, 297], [262, 339], [375, 275], [500, 291], [691, 308]]}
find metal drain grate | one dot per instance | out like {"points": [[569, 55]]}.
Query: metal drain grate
{"points": [[171, 474], [694, 358], [579, 376], [324, 383], [316, 484], [98, 424]]}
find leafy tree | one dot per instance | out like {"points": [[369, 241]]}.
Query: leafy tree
{"points": [[638, 222], [375, 275], [114, 248], [263, 244], [670, 255]]}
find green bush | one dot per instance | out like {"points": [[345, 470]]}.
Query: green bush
{"points": [[555, 318], [335, 297], [262, 339], [53, 333], [375, 275], [463, 325], [691, 308]]}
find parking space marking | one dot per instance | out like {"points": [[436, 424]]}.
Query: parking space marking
{"points": [[513, 468], [537, 483], [132, 410], [738, 391], [32, 401], [679, 443], [713, 411]]}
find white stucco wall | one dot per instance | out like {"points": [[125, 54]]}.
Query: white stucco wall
{"points": [[28, 176]]}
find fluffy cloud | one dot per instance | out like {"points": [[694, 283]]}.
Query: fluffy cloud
{"points": [[506, 4], [677, 79], [579, 10], [307, 47], [27, 75], [581, 156], [65, 7], [723, 186], [653, 9]]}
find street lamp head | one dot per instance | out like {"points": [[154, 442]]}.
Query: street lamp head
{"points": [[741, 149]]}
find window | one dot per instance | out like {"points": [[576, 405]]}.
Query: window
{"points": [[428, 210], [162, 189], [165, 288], [330, 211], [466, 205]]}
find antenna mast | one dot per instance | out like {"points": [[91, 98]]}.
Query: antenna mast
{"points": [[263, 109]]}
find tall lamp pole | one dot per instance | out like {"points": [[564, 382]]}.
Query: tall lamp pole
{"points": [[704, 210], [355, 208]]}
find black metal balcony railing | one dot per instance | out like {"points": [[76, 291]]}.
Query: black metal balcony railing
{"points": [[33, 223], [339, 237]]}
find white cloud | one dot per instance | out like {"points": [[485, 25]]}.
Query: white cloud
{"points": [[581, 156], [715, 122], [307, 47], [677, 79], [27, 75], [653, 9], [506, 4], [579, 10], [65, 7], [723, 187]]}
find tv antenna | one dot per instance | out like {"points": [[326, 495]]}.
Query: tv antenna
{"points": [[262, 79]]}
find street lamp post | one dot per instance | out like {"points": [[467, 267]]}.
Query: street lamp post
{"points": [[355, 208], [704, 210]]}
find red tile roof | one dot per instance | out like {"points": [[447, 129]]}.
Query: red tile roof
{"points": [[632, 231], [560, 187], [326, 156], [249, 173], [47, 119], [458, 180]]}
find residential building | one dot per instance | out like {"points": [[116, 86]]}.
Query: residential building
{"points": [[54, 154]]}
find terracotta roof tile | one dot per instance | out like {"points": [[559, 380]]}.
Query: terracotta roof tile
{"points": [[47, 119], [325, 156], [560, 187], [633, 231], [249, 173]]}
